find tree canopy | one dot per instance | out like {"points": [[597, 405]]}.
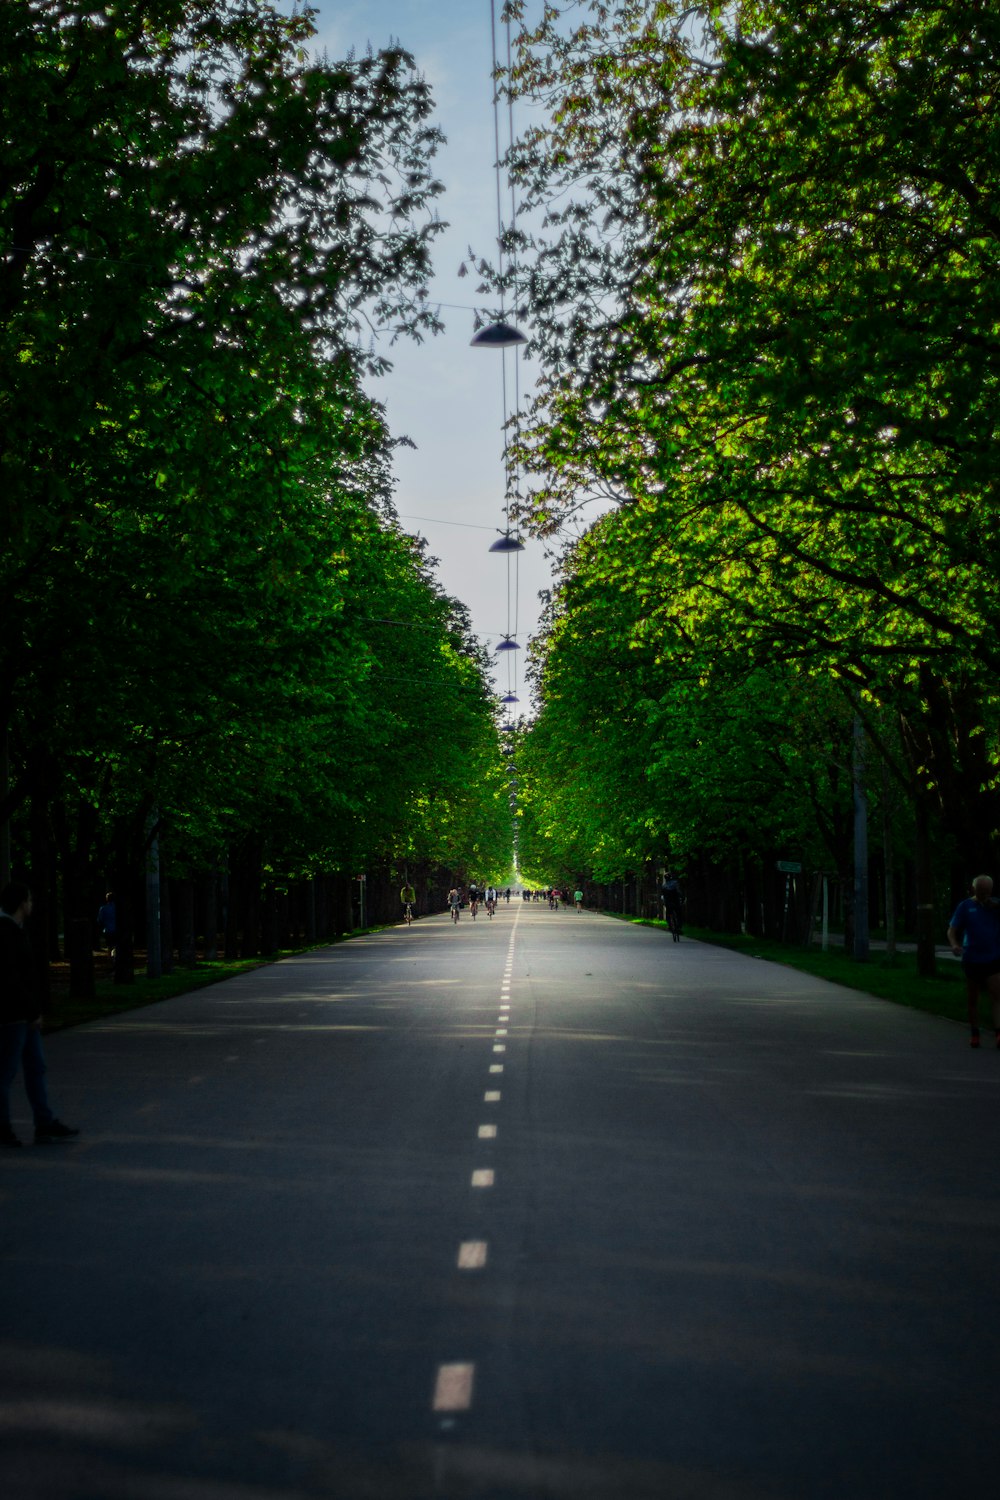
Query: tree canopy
{"points": [[212, 623], [761, 255]]}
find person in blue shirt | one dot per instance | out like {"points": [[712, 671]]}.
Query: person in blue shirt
{"points": [[974, 936]]}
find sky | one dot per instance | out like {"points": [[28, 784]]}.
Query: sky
{"points": [[444, 395]]}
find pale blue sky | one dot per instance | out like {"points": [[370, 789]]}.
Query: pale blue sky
{"points": [[443, 394]]}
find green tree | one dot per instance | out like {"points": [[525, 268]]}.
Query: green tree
{"points": [[764, 287]]}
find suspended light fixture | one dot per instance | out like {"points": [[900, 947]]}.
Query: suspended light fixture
{"points": [[508, 645], [510, 698], [507, 543], [498, 336]]}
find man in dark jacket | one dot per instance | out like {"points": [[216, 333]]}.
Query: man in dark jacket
{"points": [[20, 1023]]}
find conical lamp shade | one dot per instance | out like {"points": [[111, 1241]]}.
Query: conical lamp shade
{"points": [[508, 645], [507, 543], [498, 336]]}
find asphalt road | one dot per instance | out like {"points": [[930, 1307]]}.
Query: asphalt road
{"points": [[547, 1206]]}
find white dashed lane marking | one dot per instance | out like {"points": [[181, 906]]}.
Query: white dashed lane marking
{"points": [[453, 1387], [483, 1177], [496, 1067], [492, 1096], [487, 1132], [472, 1255]]}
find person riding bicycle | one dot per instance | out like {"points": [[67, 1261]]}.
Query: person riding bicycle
{"points": [[491, 899], [673, 901], [473, 897], [408, 898], [454, 902]]}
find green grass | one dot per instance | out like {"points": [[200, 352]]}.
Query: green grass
{"points": [[113, 999], [894, 979]]}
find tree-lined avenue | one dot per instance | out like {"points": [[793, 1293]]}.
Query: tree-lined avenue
{"points": [[733, 1239]]}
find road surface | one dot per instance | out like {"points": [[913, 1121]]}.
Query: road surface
{"points": [[547, 1206]]}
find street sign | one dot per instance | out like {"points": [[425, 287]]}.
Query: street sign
{"points": [[789, 867]]}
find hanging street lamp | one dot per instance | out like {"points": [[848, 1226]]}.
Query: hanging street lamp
{"points": [[499, 335]]}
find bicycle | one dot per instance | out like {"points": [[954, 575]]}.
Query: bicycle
{"points": [[407, 913], [490, 909], [454, 912], [474, 907], [674, 921]]}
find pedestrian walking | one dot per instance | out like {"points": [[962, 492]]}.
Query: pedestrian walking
{"points": [[974, 936], [107, 921], [20, 1023]]}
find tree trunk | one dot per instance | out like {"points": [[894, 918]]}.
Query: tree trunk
{"points": [[860, 946], [888, 866], [187, 948], [926, 956], [154, 954], [166, 926], [124, 876], [210, 917], [81, 959], [269, 922]]}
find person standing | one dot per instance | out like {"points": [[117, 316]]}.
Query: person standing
{"points": [[20, 1023], [974, 936]]}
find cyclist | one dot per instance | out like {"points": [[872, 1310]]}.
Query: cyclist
{"points": [[491, 901], [506, 895], [672, 898], [454, 902], [408, 897], [473, 899], [578, 899]]}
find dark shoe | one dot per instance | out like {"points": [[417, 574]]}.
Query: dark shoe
{"points": [[54, 1130], [8, 1138]]}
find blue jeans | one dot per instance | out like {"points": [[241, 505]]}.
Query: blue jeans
{"points": [[21, 1046]]}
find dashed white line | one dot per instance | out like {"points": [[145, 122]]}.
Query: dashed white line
{"points": [[482, 1177], [453, 1387], [472, 1255], [492, 1096], [487, 1132], [496, 1067]]}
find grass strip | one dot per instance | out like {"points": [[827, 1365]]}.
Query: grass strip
{"points": [[894, 979], [112, 999]]}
